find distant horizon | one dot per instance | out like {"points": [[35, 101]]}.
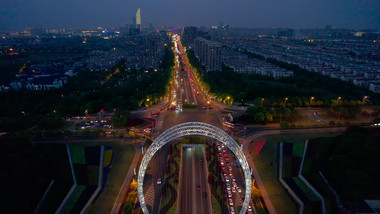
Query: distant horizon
{"points": [[178, 27], [16, 15]]}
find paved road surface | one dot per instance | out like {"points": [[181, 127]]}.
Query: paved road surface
{"points": [[156, 170], [192, 199]]}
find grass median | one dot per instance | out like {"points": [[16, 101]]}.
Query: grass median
{"points": [[266, 164], [124, 154]]}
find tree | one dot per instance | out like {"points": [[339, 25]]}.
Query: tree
{"points": [[120, 118], [284, 125]]}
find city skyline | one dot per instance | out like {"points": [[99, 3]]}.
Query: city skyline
{"points": [[128, 118], [18, 15]]}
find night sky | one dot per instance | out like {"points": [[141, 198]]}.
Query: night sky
{"points": [[20, 14]]}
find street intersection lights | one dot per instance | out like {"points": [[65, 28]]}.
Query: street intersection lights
{"points": [[286, 99], [195, 129], [311, 100], [337, 102], [364, 98]]}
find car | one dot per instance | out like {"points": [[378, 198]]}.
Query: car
{"points": [[225, 155], [232, 209], [227, 180], [222, 163], [159, 181], [229, 194], [227, 160], [233, 179], [233, 189], [224, 151], [250, 210], [234, 184], [230, 202], [228, 187], [198, 187], [238, 189]]}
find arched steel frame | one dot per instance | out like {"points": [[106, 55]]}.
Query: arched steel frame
{"points": [[194, 129]]}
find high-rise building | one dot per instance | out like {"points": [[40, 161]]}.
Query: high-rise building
{"points": [[208, 53], [138, 19], [133, 22], [189, 34]]}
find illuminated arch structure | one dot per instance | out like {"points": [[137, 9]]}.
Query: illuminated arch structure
{"points": [[197, 129]]}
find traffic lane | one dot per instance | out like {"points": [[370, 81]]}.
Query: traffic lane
{"points": [[204, 182], [198, 194], [192, 88], [186, 192], [188, 88], [194, 176], [200, 99], [237, 173]]}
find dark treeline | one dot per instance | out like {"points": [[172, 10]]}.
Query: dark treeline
{"points": [[118, 89], [353, 166], [299, 88], [24, 176]]}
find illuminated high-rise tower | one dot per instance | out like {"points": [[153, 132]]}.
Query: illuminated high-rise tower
{"points": [[138, 19]]}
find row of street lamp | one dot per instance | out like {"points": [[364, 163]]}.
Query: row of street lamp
{"points": [[311, 100]]}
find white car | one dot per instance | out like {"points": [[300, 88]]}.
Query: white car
{"points": [[159, 181], [228, 187], [227, 180]]}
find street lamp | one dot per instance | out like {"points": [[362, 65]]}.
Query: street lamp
{"points": [[337, 100], [286, 99], [364, 98], [262, 100], [311, 100]]}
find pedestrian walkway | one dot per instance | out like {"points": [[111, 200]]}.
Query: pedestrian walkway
{"points": [[149, 196], [128, 177], [238, 199]]}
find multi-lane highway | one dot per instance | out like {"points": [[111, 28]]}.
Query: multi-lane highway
{"points": [[186, 86], [194, 190], [194, 195]]}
